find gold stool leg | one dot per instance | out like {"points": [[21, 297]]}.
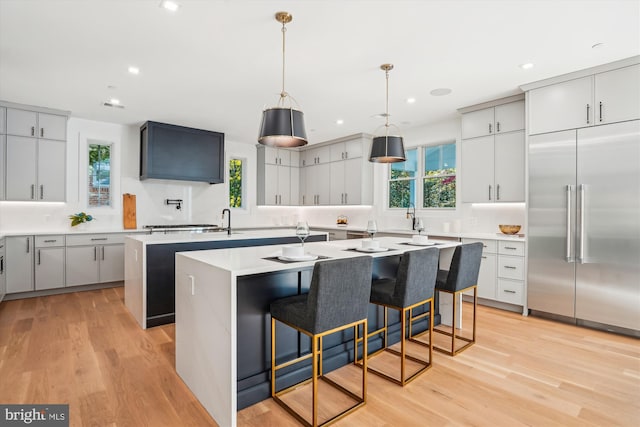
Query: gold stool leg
{"points": [[453, 323], [314, 397]]}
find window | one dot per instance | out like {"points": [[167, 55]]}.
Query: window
{"points": [[235, 183], [439, 179], [99, 175], [402, 182]]}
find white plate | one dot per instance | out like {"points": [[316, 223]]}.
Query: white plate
{"points": [[371, 249], [421, 244], [307, 257]]}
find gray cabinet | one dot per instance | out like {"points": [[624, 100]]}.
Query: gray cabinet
{"points": [[274, 176], [19, 263], [3, 276], [94, 258], [36, 124], [49, 262], [493, 120]]}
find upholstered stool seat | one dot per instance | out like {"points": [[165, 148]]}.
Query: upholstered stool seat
{"points": [[338, 299], [412, 287], [462, 276]]}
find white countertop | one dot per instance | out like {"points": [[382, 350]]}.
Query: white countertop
{"points": [[158, 238], [245, 261]]}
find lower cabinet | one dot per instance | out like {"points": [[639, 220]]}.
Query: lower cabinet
{"points": [[19, 263], [3, 276], [49, 262], [94, 264]]}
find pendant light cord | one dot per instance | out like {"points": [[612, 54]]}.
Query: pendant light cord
{"points": [[283, 94], [387, 103]]}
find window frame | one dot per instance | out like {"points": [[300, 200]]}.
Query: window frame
{"points": [[408, 179], [421, 176]]}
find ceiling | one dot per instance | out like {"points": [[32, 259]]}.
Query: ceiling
{"points": [[216, 64]]}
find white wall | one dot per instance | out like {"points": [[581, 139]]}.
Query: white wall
{"points": [[203, 203]]}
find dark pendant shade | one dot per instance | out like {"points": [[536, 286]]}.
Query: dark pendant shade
{"points": [[282, 127], [387, 149]]}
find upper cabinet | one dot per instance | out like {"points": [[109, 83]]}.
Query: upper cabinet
{"points": [[592, 100], [33, 159], [275, 176], [493, 154], [493, 120]]}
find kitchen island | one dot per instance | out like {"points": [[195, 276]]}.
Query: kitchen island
{"points": [[222, 319], [149, 265]]}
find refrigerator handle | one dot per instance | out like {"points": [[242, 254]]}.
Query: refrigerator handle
{"points": [[581, 257], [569, 191]]}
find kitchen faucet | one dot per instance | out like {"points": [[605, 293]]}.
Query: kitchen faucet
{"points": [[229, 223], [412, 215]]}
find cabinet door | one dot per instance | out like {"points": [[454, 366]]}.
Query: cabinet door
{"points": [[82, 265], [304, 196], [487, 277], [284, 185], [509, 167], [295, 158], [294, 189], [49, 271], [21, 122], [618, 95], [3, 276], [270, 155], [284, 157], [21, 168], [19, 263], [353, 149], [270, 184], [52, 126], [111, 263], [477, 170], [3, 145], [51, 170], [323, 188], [336, 183], [567, 105], [311, 183], [509, 117], [477, 123], [323, 154], [353, 181], [336, 151], [3, 120]]}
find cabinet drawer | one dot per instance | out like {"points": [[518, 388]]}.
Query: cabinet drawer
{"points": [[489, 246], [95, 239], [511, 291], [511, 267], [510, 248], [47, 241]]}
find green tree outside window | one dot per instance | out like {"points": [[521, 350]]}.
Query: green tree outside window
{"points": [[235, 183]]}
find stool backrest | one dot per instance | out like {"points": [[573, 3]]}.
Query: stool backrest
{"points": [[465, 267], [416, 277], [339, 292]]}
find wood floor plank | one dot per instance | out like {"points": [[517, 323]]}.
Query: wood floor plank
{"points": [[86, 349]]}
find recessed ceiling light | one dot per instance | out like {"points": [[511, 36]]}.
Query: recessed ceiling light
{"points": [[411, 100], [112, 104], [339, 121], [134, 70], [114, 101], [171, 6], [597, 46], [440, 91], [526, 66]]}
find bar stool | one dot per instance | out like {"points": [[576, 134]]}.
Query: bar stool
{"points": [[413, 287], [461, 276], [338, 299]]}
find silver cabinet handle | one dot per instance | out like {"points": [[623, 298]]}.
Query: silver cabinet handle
{"points": [[28, 245], [95, 253], [38, 256], [509, 291], [51, 241], [33, 131], [94, 239], [489, 192], [588, 107], [600, 110], [510, 267], [1, 264], [303, 196], [41, 191], [569, 258], [103, 253], [276, 199], [484, 257], [489, 127], [497, 191], [33, 191], [342, 198], [510, 248], [41, 132], [346, 200], [583, 191], [497, 126]]}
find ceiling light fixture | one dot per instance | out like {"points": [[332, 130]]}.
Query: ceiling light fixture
{"points": [[134, 70], [171, 6], [387, 148], [339, 121], [283, 126], [411, 100], [526, 66]]}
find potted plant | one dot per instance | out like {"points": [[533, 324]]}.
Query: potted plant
{"points": [[80, 218]]}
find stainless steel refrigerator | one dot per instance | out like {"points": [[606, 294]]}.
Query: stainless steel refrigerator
{"points": [[584, 226]]}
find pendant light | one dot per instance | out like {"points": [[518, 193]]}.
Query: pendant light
{"points": [[387, 148], [283, 126]]}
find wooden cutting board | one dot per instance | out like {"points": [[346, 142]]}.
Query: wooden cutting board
{"points": [[129, 211]]}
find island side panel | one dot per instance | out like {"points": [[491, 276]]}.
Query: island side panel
{"points": [[134, 283], [206, 336]]}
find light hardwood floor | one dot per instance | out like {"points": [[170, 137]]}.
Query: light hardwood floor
{"points": [[85, 349]]}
